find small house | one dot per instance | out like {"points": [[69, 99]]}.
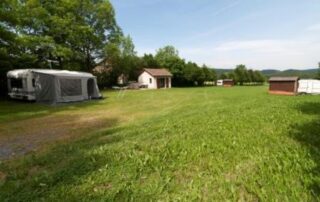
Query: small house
{"points": [[228, 82], [283, 85], [155, 78]]}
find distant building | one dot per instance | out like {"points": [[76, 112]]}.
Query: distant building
{"points": [[283, 85], [122, 79], [155, 78], [220, 82], [228, 82]]}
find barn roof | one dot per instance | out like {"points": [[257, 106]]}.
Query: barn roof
{"points": [[291, 78], [158, 72]]}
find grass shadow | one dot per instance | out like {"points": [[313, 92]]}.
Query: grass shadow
{"points": [[35, 176], [308, 134], [17, 110]]}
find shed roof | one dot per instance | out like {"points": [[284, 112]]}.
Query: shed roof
{"points": [[291, 78], [158, 72], [227, 79]]}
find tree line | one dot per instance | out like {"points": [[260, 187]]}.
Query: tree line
{"points": [[80, 35], [243, 76]]}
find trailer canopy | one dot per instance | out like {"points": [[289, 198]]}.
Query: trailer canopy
{"points": [[57, 86]]}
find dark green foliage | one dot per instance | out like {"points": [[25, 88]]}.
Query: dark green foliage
{"points": [[242, 76], [54, 34], [184, 73]]}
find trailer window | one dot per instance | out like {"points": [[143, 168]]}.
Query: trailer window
{"points": [[16, 83]]}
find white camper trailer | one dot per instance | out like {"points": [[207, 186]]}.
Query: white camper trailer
{"points": [[309, 86], [52, 86], [220, 82]]}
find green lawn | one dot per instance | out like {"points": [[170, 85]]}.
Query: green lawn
{"points": [[169, 145]]}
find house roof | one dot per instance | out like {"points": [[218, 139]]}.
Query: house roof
{"points": [[158, 72], [291, 78], [227, 79]]}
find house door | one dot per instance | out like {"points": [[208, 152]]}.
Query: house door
{"points": [[161, 83], [90, 88]]}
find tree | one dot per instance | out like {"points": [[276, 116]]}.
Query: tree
{"points": [[166, 56], [119, 58], [148, 61], [224, 76], [8, 48], [241, 74]]}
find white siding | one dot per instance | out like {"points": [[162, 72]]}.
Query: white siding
{"points": [[309, 86], [145, 79]]}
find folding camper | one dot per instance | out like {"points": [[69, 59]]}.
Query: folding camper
{"points": [[52, 86]]}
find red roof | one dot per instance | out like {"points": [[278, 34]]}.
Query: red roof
{"points": [[158, 72]]}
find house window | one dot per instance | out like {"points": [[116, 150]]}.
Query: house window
{"points": [[150, 80]]}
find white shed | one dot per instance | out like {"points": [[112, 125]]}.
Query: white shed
{"points": [[155, 78]]}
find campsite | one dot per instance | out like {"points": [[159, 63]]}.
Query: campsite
{"points": [[159, 100], [164, 144]]}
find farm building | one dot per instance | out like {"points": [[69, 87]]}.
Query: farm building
{"points": [[309, 86], [155, 78], [283, 85], [52, 86], [228, 82]]}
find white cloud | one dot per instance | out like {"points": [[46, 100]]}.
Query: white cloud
{"points": [[315, 27], [259, 54]]}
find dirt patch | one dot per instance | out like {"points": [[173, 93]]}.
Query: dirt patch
{"points": [[244, 195], [240, 170], [102, 187], [20, 137]]}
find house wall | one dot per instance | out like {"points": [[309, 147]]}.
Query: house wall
{"points": [[286, 86], [228, 83], [144, 79]]}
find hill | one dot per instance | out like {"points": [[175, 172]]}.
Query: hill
{"points": [[307, 73]]}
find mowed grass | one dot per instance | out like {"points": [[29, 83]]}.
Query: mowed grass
{"points": [[209, 144]]}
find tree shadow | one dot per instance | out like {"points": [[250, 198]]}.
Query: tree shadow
{"points": [[16, 110], [36, 175], [308, 134]]}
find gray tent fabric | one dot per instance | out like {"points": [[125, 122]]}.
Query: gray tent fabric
{"points": [[65, 88], [52, 86], [45, 88], [70, 87]]}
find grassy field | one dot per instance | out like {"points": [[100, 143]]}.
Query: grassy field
{"points": [[169, 145]]}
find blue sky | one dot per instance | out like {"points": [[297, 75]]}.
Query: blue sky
{"points": [[261, 34]]}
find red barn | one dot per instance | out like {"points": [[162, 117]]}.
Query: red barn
{"points": [[283, 85]]}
